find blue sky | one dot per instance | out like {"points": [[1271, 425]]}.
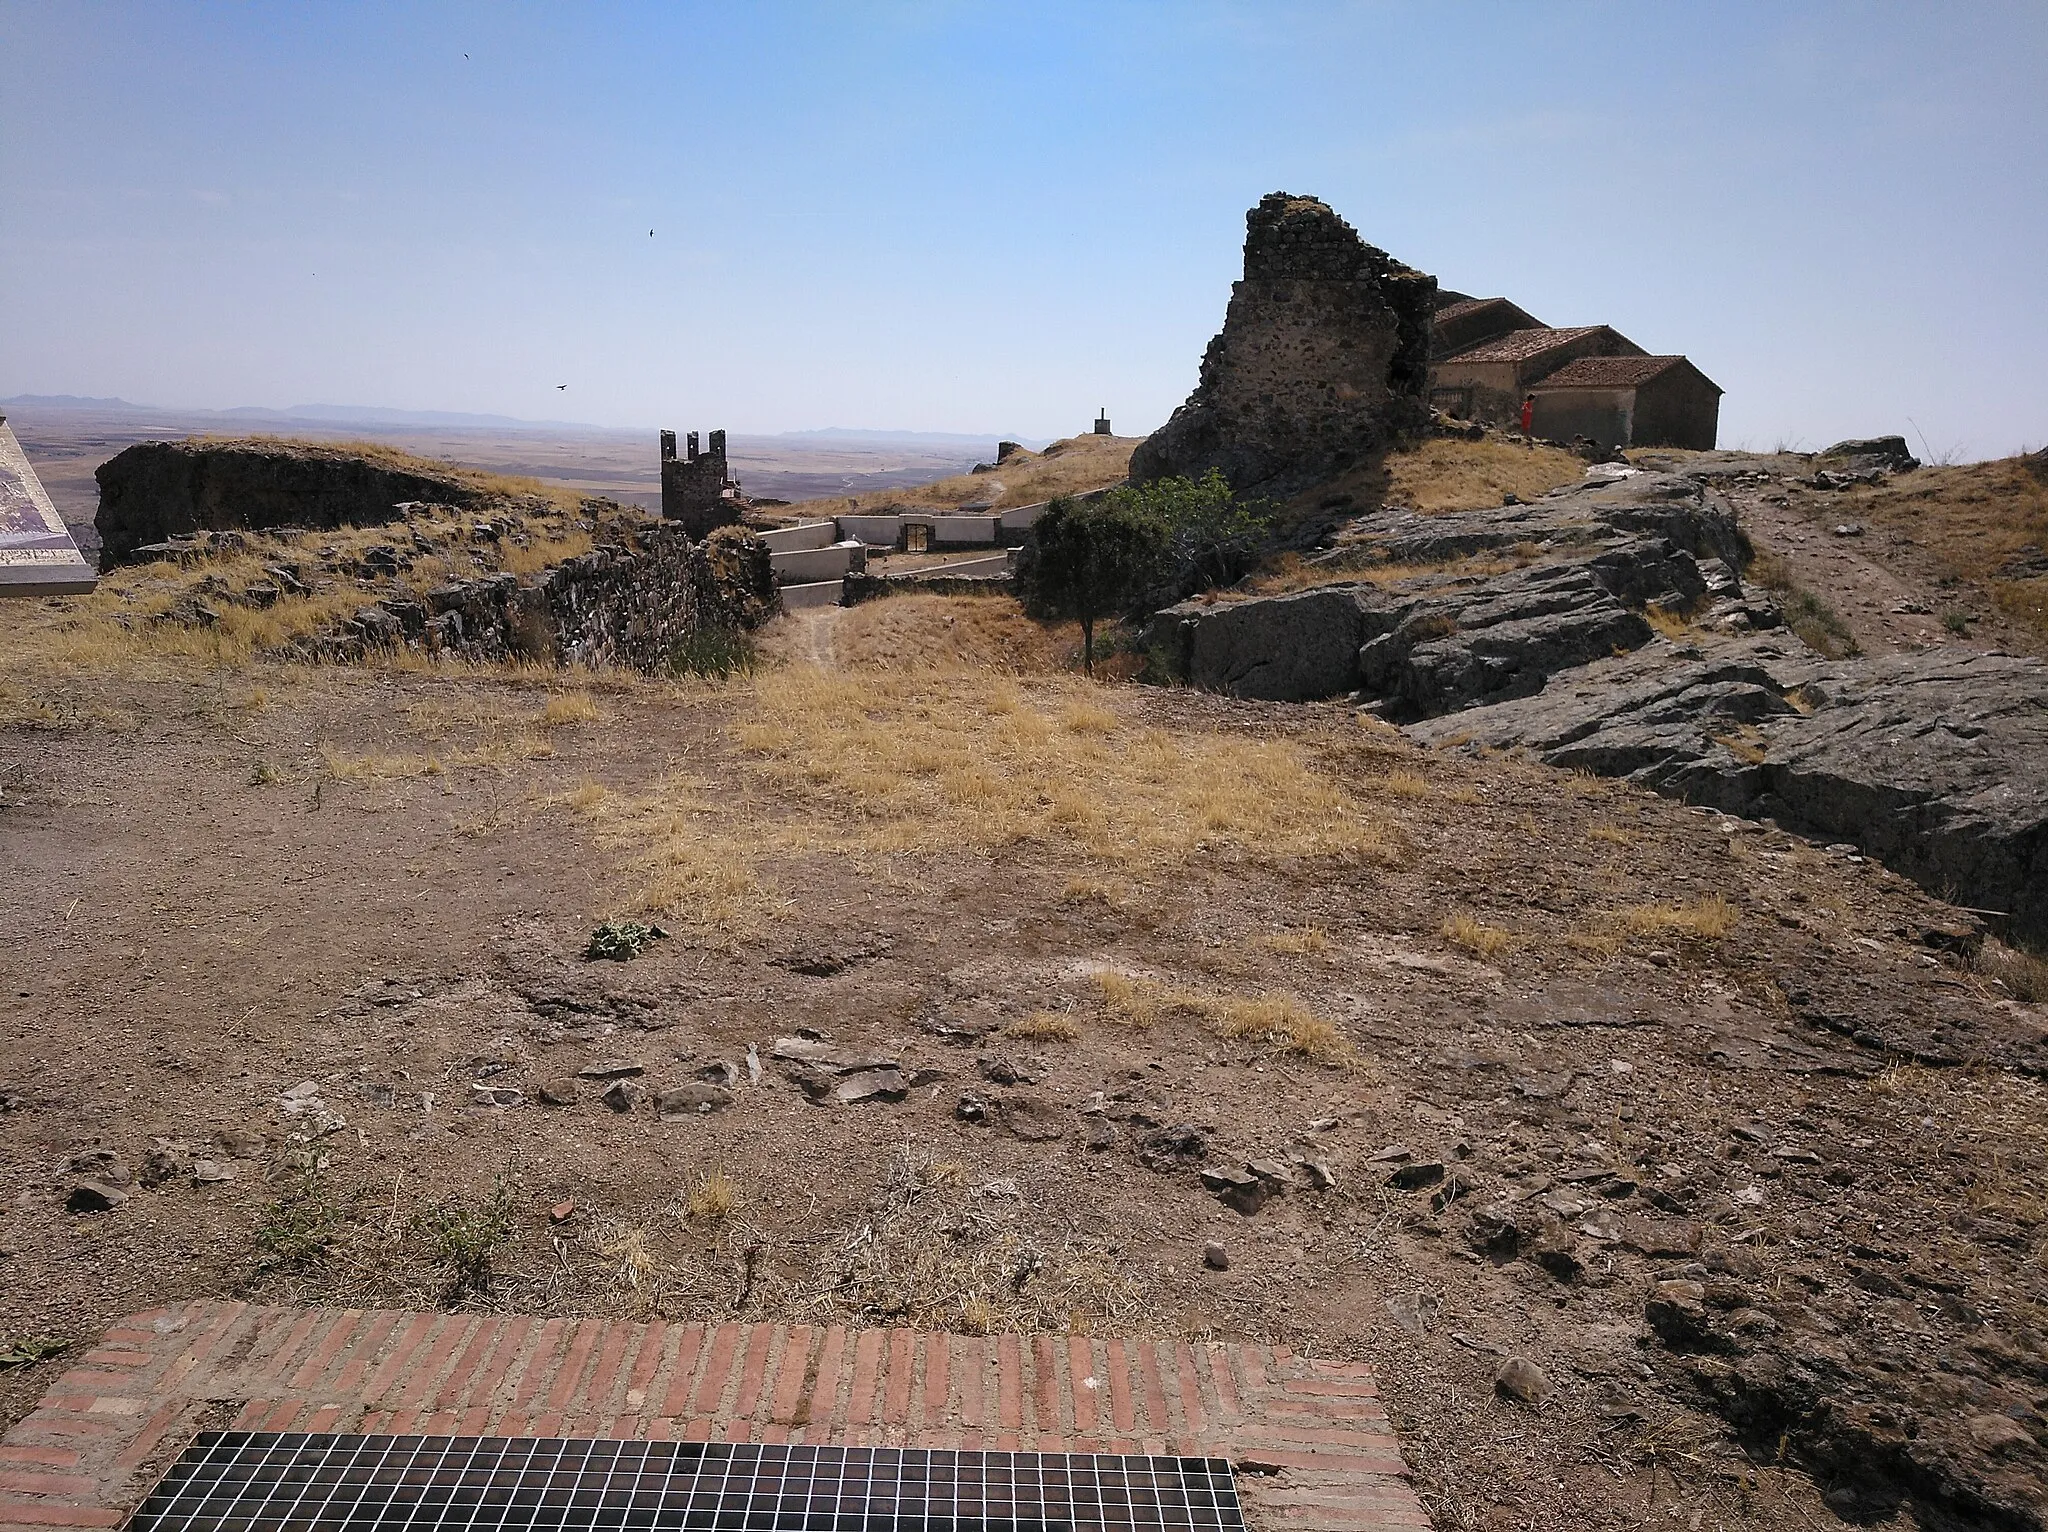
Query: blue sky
{"points": [[989, 217]]}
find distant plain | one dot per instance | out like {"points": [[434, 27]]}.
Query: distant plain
{"points": [[67, 442]]}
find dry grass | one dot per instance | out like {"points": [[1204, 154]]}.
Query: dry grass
{"points": [[1703, 919], [1667, 624], [1818, 625], [1093, 891], [2020, 973], [1976, 520], [1482, 940], [1292, 572], [588, 797], [1046, 1027], [1613, 834], [1067, 467], [712, 1198], [1300, 941], [952, 761], [1283, 1022], [567, 709], [477, 480], [1446, 474], [1274, 1018], [696, 866], [927, 632], [1405, 784]]}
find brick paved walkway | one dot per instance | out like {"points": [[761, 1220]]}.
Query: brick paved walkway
{"points": [[1312, 1445]]}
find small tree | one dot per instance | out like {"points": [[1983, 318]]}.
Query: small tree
{"points": [[1087, 560], [1212, 537]]}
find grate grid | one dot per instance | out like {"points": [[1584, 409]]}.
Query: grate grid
{"points": [[243, 1481]]}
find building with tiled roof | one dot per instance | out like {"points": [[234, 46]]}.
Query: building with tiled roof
{"points": [[1488, 381], [1629, 401], [1461, 322]]}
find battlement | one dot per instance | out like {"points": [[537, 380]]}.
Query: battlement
{"points": [[696, 488]]}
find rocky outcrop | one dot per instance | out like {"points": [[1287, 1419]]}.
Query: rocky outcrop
{"points": [[1931, 762], [159, 490], [1323, 359], [1882, 454], [1583, 567]]}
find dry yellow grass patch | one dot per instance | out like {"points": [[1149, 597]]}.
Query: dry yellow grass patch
{"points": [[1275, 1018], [567, 709], [1445, 474], [1704, 919], [1046, 1027], [928, 632], [1292, 572], [1405, 784], [1301, 941], [696, 867], [1474, 936], [713, 1198], [380, 766], [1283, 1021], [1666, 623], [588, 797], [949, 761], [1091, 891], [1613, 834]]}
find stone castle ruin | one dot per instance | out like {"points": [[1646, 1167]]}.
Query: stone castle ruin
{"points": [[696, 488], [1322, 362]]}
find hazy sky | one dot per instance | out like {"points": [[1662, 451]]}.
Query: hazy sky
{"points": [[988, 217]]}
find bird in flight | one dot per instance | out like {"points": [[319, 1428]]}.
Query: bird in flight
{"points": [[562, 386]]}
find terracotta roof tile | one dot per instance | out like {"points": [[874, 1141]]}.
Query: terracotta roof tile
{"points": [[1519, 345], [1611, 372]]}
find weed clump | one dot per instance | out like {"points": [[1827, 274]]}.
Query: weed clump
{"points": [[465, 1237], [620, 941]]}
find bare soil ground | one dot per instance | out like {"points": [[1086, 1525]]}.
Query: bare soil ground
{"points": [[302, 924]]}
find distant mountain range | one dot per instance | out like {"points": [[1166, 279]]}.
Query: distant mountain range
{"points": [[377, 415]]}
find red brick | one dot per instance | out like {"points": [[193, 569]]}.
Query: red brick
{"points": [[1045, 1385], [1120, 1410], [505, 1342], [649, 1349], [535, 1365], [29, 1481], [970, 1366], [896, 1396], [40, 1457], [337, 1334], [583, 1337], [725, 1341], [1193, 1416], [22, 1513], [1222, 1381], [400, 1352], [603, 1381], [209, 1340], [116, 1357], [938, 1378], [153, 1431], [867, 1365], [1325, 1388], [753, 1371], [683, 1370], [453, 1336], [1009, 1384], [48, 1424], [823, 1404], [788, 1392], [1154, 1387], [363, 1351], [1080, 1371]]}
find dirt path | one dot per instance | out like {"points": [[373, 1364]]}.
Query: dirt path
{"points": [[1890, 593]]}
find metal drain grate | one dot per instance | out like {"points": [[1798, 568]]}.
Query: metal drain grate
{"points": [[242, 1481]]}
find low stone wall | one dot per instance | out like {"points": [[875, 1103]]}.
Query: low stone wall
{"points": [[640, 601], [867, 587]]}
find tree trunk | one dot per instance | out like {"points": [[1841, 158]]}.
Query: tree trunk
{"points": [[1088, 646]]}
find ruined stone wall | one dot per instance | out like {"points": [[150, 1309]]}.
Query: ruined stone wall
{"points": [[636, 601], [158, 490], [1323, 359]]}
